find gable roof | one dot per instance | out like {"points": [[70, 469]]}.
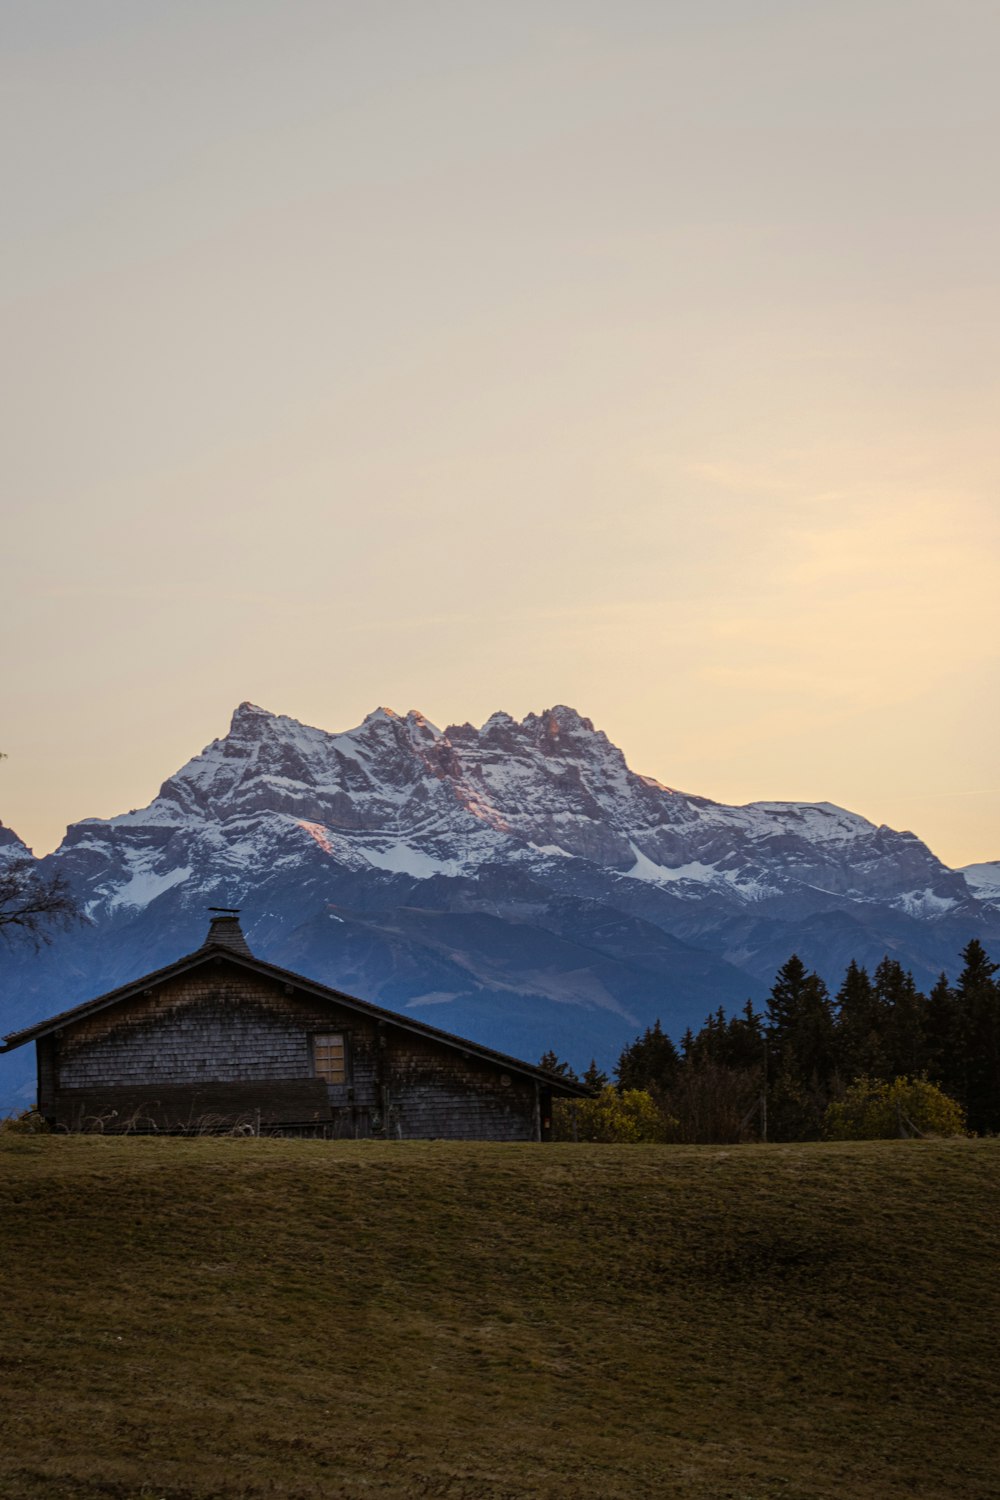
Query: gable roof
{"points": [[214, 951]]}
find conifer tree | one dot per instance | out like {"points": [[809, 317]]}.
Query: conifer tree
{"points": [[553, 1064], [944, 1039], [800, 1021], [785, 1000], [801, 1037], [649, 1063], [594, 1078], [734, 1043], [978, 1004], [904, 1021], [746, 1038], [860, 1026], [716, 1093]]}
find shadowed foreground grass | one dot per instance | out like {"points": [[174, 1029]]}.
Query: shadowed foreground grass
{"points": [[232, 1318]]}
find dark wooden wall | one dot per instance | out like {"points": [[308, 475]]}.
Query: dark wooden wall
{"points": [[222, 1046]]}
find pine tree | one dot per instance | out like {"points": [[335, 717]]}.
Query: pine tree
{"points": [[553, 1064], [708, 1044], [594, 1078], [715, 1095], [785, 1000], [904, 1020], [649, 1063], [944, 1041], [860, 1026], [745, 1040], [978, 1004], [737, 1042], [800, 1021], [801, 1036]]}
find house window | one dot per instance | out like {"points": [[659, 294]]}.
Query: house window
{"points": [[328, 1056]]}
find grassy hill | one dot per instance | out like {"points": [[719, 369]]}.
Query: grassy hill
{"points": [[232, 1318]]}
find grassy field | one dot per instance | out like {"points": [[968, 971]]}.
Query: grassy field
{"points": [[233, 1318]]}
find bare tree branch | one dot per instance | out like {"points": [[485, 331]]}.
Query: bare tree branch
{"points": [[32, 902]]}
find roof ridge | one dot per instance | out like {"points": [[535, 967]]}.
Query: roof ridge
{"points": [[217, 951]]}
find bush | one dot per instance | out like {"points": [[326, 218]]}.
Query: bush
{"points": [[873, 1110], [631, 1115]]}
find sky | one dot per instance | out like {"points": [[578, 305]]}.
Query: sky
{"points": [[642, 357]]}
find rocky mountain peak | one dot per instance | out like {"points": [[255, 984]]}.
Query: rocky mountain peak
{"points": [[249, 716], [562, 720], [11, 847], [397, 794], [517, 865]]}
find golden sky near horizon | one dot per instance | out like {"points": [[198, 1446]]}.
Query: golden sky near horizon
{"points": [[643, 357]]}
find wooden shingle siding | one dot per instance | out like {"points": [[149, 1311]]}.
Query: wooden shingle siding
{"points": [[199, 1028], [209, 1107], [204, 1025], [434, 1093], [436, 1111]]}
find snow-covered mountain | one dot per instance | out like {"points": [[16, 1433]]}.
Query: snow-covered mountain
{"points": [[984, 881], [516, 882], [398, 795]]}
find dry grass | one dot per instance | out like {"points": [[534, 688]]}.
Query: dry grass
{"points": [[213, 1319]]}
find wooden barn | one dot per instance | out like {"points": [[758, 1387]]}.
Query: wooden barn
{"points": [[221, 1040]]}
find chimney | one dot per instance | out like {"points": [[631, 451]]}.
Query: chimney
{"points": [[225, 931]]}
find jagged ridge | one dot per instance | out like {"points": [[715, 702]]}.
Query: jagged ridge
{"points": [[400, 795], [516, 882]]}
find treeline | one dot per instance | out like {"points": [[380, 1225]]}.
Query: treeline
{"points": [[784, 1073]]}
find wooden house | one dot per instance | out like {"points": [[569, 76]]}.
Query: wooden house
{"points": [[221, 1040]]}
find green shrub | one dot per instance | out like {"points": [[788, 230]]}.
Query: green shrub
{"points": [[629, 1116], [873, 1110]]}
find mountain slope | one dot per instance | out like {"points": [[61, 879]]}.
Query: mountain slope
{"points": [[516, 882]]}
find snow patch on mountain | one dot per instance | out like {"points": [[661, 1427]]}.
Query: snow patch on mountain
{"points": [[145, 885], [403, 859], [817, 821], [984, 878], [645, 869], [924, 903]]}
